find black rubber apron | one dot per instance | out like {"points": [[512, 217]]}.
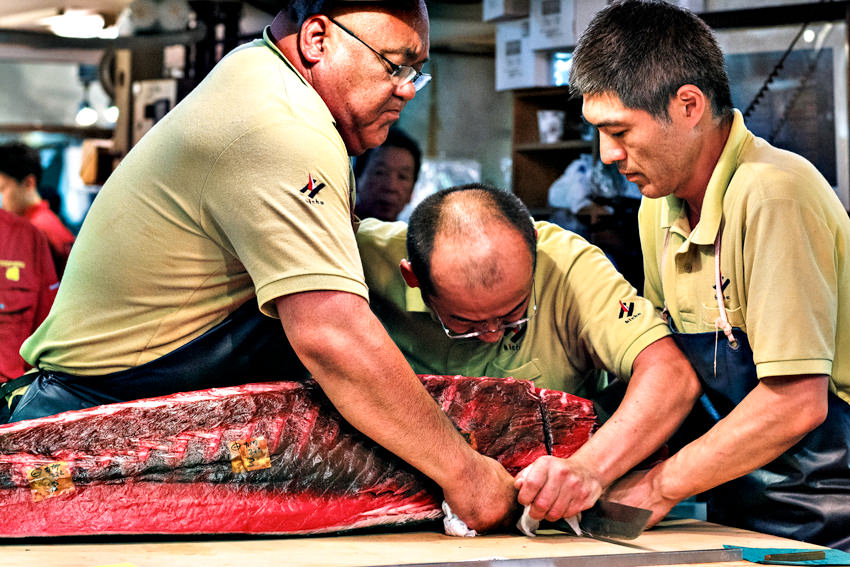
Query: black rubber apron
{"points": [[246, 347], [805, 493]]}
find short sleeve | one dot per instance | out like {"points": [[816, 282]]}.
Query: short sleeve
{"points": [[279, 199], [792, 284], [611, 321]]}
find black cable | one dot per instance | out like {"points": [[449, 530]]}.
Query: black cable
{"points": [[774, 73]]}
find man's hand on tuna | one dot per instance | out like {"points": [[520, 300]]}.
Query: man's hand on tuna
{"points": [[484, 498], [557, 488]]}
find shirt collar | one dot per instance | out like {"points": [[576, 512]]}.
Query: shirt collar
{"points": [[267, 39], [712, 203]]}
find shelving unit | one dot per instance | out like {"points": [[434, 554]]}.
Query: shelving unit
{"points": [[537, 165]]}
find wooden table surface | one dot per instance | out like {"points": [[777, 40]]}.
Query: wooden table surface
{"points": [[374, 549]]}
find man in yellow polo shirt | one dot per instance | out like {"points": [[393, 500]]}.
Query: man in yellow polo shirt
{"points": [[474, 287], [745, 246], [222, 248]]}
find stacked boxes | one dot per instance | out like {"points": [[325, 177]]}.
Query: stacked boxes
{"points": [[526, 43]]}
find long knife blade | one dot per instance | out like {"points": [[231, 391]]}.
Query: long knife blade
{"points": [[608, 519]]}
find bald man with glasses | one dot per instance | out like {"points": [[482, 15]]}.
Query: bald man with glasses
{"points": [[474, 286], [222, 249]]}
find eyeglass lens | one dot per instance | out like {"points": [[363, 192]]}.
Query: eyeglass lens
{"points": [[401, 74]]}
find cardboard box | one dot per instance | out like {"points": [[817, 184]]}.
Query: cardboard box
{"points": [[517, 65], [504, 9], [552, 24]]}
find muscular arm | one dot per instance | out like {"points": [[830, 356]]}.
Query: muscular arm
{"points": [[770, 419], [661, 392], [350, 355]]}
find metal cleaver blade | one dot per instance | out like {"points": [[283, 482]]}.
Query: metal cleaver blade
{"points": [[612, 520]]}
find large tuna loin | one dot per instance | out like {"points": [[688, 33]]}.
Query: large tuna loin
{"points": [[269, 458]]}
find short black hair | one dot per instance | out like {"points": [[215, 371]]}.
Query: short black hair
{"points": [[396, 138], [17, 160], [642, 51], [300, 10], [426, 220]]}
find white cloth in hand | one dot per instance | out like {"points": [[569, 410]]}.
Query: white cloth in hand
{"points": [[453, 525], [529, 525]]}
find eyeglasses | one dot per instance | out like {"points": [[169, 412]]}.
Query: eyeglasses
{"points": [[400, 74], [502, 326]]}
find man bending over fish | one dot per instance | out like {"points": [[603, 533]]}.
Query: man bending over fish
{"points": [[475, 287]]}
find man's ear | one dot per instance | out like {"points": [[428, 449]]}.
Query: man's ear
{"points": [[407, 273], [29, 183], [689, 104], [311, 40]]}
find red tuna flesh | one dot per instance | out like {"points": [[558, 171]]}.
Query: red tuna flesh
{"points": [[266, 458]]}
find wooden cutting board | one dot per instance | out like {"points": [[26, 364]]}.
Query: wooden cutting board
{"points": [[375, 549]]}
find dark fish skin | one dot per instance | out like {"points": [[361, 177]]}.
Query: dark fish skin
{"points": [[130, 463]]}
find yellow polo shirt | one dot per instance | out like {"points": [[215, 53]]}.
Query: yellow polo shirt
{"points": [[589, 319], [783, 260], [241, 193]]}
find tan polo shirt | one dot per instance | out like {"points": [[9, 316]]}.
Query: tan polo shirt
{"points": [[589, 319], [243, 190], [783, 259]]}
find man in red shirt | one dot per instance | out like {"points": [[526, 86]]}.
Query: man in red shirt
{"points": [[28, 286], [20, 176]]}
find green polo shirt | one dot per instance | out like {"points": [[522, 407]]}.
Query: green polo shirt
{"points": [[785, 277], [589, 319]]}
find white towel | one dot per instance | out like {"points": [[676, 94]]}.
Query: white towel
{"points": [[528, 525], [453, 525]]}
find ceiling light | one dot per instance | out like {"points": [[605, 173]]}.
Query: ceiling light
{"points": [[111, 114], [75, 23], [86, 115]]}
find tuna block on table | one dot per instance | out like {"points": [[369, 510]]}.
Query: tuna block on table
{"points": [[264, 458]]}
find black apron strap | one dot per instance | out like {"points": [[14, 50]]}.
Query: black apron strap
{"points": [[246, 347]]}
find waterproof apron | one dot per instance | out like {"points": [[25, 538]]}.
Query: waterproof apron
{"points": [[805, 493], [246, 347]]}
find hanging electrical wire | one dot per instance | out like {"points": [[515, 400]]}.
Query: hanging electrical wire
{"points": [[813, 63], [774, 73]]}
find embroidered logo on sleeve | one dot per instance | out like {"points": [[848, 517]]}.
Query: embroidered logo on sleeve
{"points": [[627, 311], [311, 190]]}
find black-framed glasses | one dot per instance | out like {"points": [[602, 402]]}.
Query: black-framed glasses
{"points": [[401, 74], [502, 326]]}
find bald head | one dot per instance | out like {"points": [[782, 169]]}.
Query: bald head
{"points": [[474, 246], [469, 236]]}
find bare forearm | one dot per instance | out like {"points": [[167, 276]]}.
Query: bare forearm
{"points": [[662, 390], [659, 396], [769, 421], [365, 376], [370, 383]]}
